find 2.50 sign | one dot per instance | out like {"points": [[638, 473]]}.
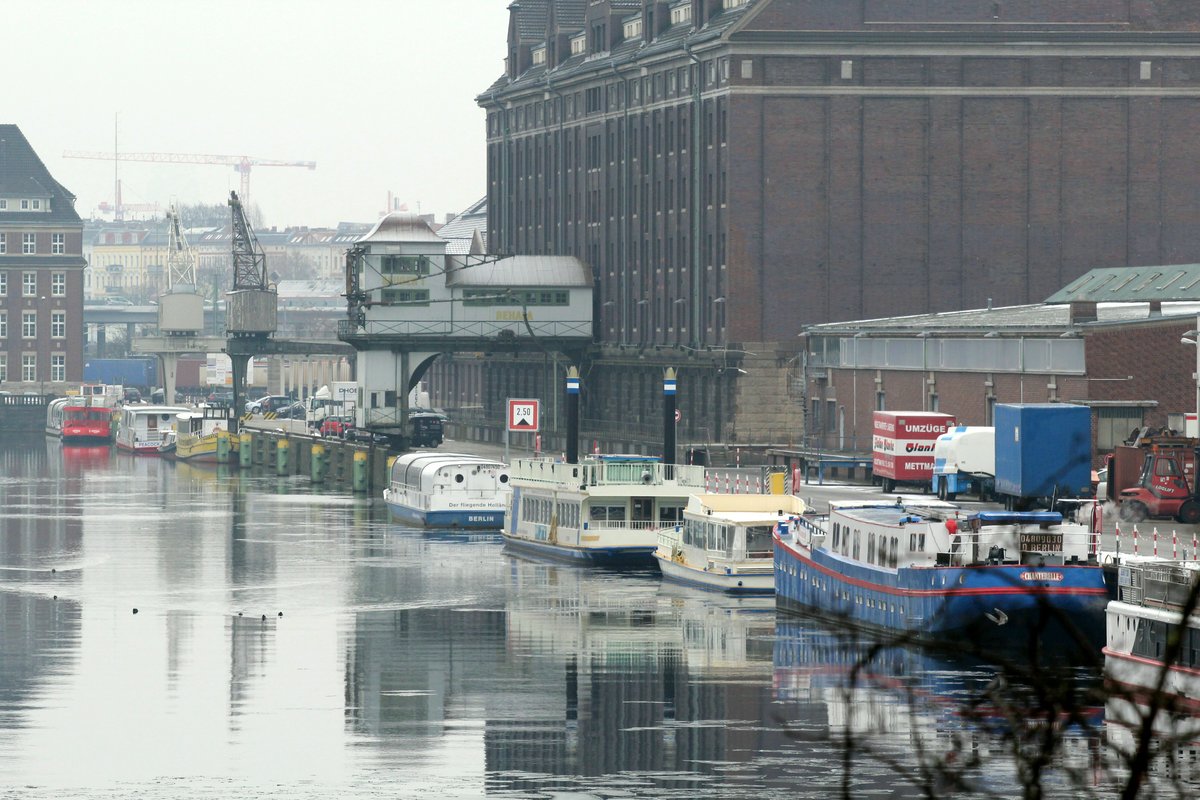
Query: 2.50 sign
{"points": [[523, 415]]}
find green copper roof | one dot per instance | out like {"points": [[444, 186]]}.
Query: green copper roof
{"points": [[1132, 285]]}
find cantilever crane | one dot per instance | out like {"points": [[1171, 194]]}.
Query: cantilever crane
{"points": [[181, 259], [241, 164]]}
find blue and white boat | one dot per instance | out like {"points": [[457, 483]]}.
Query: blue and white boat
{"points": [[607, 509], [448, 490], [935, 570]]}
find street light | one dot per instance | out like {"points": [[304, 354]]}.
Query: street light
{"points": [[1193, 338]]}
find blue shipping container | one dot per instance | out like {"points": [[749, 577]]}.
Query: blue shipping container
{"points": [[1043, 449], [138, 372]]}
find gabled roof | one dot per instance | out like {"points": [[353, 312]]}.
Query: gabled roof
{"points": [[1180, 282], [23, 175], [402, 227]]}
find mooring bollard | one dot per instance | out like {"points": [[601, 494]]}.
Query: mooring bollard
{"points": [[318, 463], [223, 447], [245, 450], [281, 457], [360, 471]]}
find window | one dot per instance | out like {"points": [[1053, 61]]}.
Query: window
{"points": [[411, 297], [29, 284], [29, 367], [24, 205], [58, 284], [29, 324], [681, 14], [37, 205], [58, 243], [58, 325], [403, 265], [58, 368], [3, 284], [578, 44], [3, 205], [3, 324], [3, 243], [3, 367], [1113, 426], [28, 244]]}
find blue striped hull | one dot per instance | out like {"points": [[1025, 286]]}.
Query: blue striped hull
{"points": [[594, 556], [484, 520], [943, 601]]}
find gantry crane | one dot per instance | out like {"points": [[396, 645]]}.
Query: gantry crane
{"points": [[240, 164]]}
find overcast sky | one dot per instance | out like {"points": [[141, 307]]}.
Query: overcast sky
{"points": [[379, 93]]}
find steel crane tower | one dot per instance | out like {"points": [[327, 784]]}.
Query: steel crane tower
{"points": [[181, 259], [241, 164]]}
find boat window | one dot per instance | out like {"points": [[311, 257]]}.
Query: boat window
{"points": [[608, 513], [893, 559], [837, 529], [912, 542], [921, 542], [758, 542], [857, 542], [871, 548], [459, 478]]}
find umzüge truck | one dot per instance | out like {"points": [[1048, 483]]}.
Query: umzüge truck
{"points": [[902, 446]]}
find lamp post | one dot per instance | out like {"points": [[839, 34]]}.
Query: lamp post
{"points": [[1193, 338]]}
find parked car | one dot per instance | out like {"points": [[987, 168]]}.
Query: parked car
{"points": [[364, 436], [293, 411], [220, 396], [272, 402], [336, 425]]}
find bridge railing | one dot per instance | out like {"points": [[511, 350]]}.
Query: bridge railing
{"points": [[477, 328]]}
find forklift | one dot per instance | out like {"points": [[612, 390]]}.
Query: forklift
{"points": [[1153, 475]]}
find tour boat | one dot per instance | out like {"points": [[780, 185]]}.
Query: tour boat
{"points": [[448, 490], [141, 427], [54, 415], [725, 541], [198, 435], [1140, 624], [607, 509], [933, 569]]}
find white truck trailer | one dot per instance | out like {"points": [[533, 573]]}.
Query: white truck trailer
{"points": [[964, 462]]}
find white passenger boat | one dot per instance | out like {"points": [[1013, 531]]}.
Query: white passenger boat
{"points": [[142, 427], [448, 490], [607, 509], [1138, 658], [54, 415], [725, 541]]}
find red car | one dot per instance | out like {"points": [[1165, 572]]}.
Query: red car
{"points": [[336, 425]]}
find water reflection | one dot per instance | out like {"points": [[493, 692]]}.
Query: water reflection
{"points": [[299, 641]]}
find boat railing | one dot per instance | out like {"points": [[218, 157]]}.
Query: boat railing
{"points": [[669, 538], [1162, 584], [607, 473], [631, 524]]}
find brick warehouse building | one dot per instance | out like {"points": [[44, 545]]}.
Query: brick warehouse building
{"points": [[736, 170], [1125, 358], [41, 273]]}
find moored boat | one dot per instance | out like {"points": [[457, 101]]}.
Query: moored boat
{"points": [[198, 436], [607, 509], [934, 570], [1143, 624], [55, 415], [725, 541], [448, 490], [142, 427]]}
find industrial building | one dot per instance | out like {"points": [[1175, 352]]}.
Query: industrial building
{"points": [[734, 171]]}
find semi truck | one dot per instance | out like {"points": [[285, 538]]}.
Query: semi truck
{"points": [[1043, 453], [964, 462], [338, 398], [902, 446]]}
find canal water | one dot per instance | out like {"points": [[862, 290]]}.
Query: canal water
{"points": [[177, 631]]}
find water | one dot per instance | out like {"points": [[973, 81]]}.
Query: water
{"points": [[299, 644]]}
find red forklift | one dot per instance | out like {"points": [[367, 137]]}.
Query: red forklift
{"points": [[1153, 475]]}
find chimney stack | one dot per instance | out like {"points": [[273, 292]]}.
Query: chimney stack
{"points": [[669, 388], [572, 415]]}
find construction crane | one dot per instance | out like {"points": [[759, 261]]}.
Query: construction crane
{"points": [[240, 164], [181, 259]]}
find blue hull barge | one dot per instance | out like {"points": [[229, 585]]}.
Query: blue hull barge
{"points": [[935, 571]]}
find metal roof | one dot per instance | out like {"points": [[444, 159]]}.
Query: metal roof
{"points": [[1178, 282], [402, 227], [520, 271]]}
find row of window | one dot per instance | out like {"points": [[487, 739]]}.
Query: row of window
{"points": [[29, 324], [541, 511], [58, 284], [497, 297], [58, 367], [58, 244], [884, 550], [24, 204]]}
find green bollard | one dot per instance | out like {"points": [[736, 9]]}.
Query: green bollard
{"points": [[223, 447], [281, 457], [318, 463], [245, 450], [360, 471]]}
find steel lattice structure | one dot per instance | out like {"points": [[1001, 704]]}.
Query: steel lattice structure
{"points": [[249, 261]]}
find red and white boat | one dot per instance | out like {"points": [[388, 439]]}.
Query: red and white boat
{"points": [[84, 424]]}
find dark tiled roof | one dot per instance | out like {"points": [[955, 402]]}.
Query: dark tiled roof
{"points": [[531, 19], [22, 174], [569, 13], [466, 223]]}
